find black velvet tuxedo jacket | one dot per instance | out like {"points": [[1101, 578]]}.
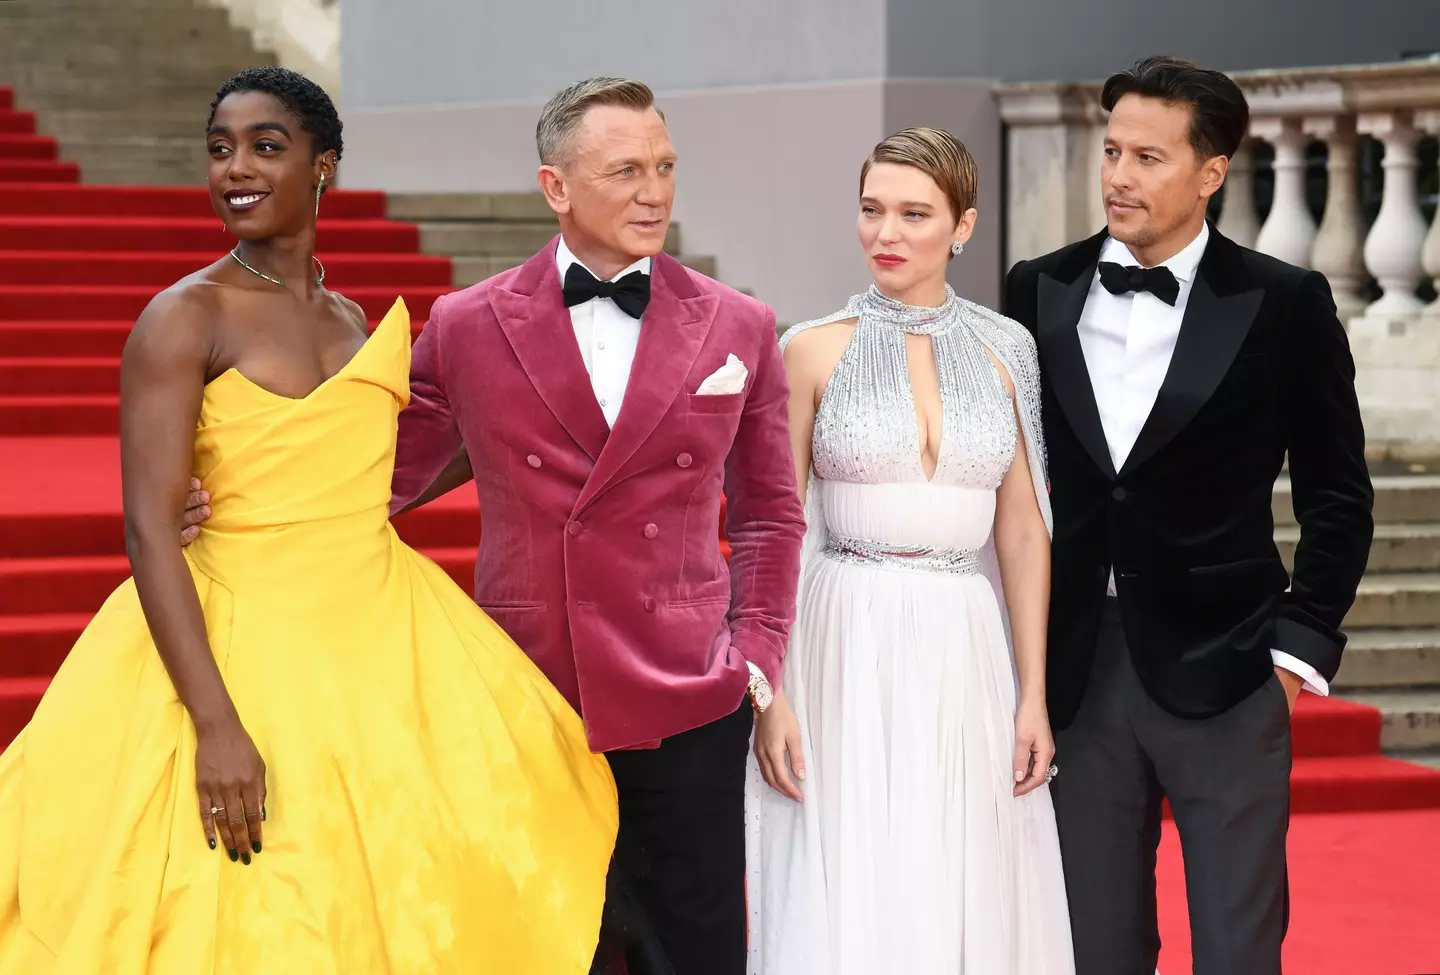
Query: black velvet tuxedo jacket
{"points": [[1261, 368]]}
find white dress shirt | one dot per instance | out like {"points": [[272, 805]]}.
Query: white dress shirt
{"points": [[608, 339], [1128, 341]]}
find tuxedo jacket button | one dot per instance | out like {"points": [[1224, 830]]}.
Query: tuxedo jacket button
{"points": [[684, 460], [574, 528], [651, 531], [533, 460], [1118, 494], [649, 604]]}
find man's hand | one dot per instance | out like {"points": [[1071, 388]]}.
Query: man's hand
{"points": [[777, 746], [1292, 683], [197, 509]]}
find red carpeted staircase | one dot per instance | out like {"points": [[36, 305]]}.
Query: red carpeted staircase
{"points": [[78, 263]]}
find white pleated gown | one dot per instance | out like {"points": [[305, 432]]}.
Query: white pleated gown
{"points": [[909, 854]]}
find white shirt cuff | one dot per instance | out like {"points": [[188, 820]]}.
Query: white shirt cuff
{"points": [[1314, 683]]}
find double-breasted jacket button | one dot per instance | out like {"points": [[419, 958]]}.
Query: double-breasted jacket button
{"points": [[651, 530], [649, 604], [574, 528], [684, 460], [533, 460]]}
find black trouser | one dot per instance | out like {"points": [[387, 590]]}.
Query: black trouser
{"points": [[675, 898], [1228, 782]]}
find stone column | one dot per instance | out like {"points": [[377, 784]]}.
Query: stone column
{"points": [[1289, 230], [1392, 250], [1238, 219], [1397, 351], [1340, 241]]}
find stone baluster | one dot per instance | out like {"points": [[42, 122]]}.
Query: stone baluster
{"points": [[1238, 219], [1289, 230], [1340, 241], [1429, 122], [1392, 250]]}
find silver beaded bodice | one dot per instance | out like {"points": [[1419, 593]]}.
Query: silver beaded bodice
{"points": [[866, 428]]}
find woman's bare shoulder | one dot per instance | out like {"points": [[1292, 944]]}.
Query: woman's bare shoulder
{"points": [[179, 321]]}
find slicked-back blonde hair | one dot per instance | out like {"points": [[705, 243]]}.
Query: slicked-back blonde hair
{"points": [[563, 113], [937, 154]]}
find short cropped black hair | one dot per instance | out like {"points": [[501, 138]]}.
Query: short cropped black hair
{"points": [[1219, 116], [301, 97]]}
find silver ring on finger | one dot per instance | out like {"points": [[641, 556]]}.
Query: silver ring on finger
{"points": [[216, 810], [1051, 772]]}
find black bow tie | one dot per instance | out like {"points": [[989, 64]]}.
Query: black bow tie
{"points": [[1120, 279], [631, 293]]}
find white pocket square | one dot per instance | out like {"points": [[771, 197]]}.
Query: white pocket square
{"points": [[728, 379]]}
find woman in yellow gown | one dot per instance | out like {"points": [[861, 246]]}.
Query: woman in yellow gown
{"points": [[295, 746]]}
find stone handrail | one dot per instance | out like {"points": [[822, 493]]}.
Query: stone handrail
{"points": [[303, 34], [1054, 134]]}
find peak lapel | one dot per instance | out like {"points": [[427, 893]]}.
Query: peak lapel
{"points": [[537, 324], [671, 335], [1059, 304], [1211, 333]]}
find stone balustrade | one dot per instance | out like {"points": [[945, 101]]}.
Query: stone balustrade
{"points": [[1054, 135]]}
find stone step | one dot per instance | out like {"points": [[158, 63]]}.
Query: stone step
{"points": [[1409, 719], [84, 71], [81, 7], [472, 270], [79, 125], [498, 237], [440, 207], [1398, 498], [100, 96], [1403, 547], [1427, 758], [106, 36], [1377, 659], [107, 15], [1401, 599]]}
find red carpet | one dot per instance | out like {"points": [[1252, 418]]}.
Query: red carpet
{"points": [[77, 263], [1364, 889]]}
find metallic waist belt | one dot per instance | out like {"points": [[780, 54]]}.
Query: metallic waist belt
{"points": [[920, 558]]}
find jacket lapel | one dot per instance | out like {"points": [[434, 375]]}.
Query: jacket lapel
{"points": [[1059, 303], [1217, 318], [672, 332], [537, 324]]}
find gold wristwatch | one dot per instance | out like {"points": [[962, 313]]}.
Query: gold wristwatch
{"points": [[761, 694]]}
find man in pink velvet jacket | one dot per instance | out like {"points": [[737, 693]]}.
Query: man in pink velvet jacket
{"points": [[604, 396]]}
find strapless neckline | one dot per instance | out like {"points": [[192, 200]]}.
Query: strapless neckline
{"points": [[235, 373]]}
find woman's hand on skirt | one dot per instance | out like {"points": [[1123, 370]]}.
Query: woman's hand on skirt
{"points": [[1034, 746], [230, 782]]}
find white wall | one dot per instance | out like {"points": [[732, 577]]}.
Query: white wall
{"points": [[429, 52], [767, 179]]}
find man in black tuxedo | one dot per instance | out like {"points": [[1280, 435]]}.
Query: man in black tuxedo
{"points": [[1179, 369]]}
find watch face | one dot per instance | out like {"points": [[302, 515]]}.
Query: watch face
{"points": [[762, 694]]}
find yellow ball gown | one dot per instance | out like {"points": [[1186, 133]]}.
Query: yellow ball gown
{"points": [[432, 804]]}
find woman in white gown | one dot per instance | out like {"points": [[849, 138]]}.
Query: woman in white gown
{"points": [[908, 826]]}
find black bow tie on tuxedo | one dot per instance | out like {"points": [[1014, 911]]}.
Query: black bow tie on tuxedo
{"points": [[631, 293], [1120, 279]]}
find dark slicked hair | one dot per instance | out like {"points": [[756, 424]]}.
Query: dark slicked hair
{"points": [[1219, 113], [301, 97]]}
